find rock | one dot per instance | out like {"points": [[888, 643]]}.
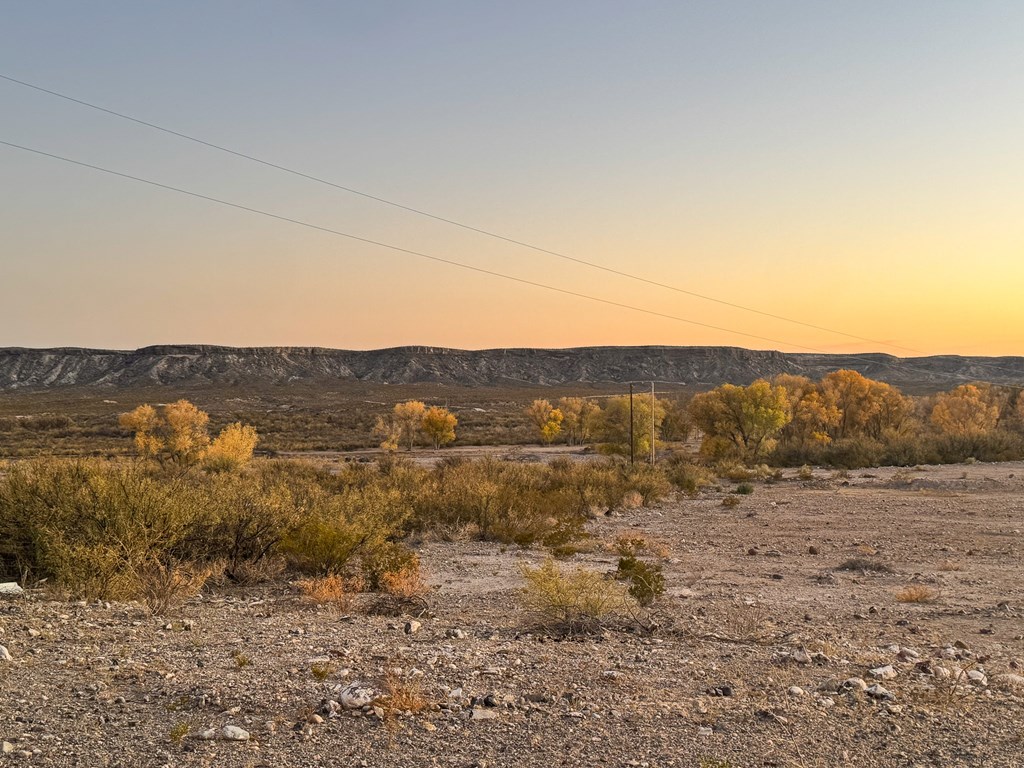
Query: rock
{"points": [[876, 691], [1008, 682], [720, 690], [11, 588], [412, 627], [827, 702], [796, 690], [234, 733], [812, 550], [8, 747], [357, 695], [977, 677], [961, 645], [207, 734], [456, 634], [854, 684], [482, 714], [5, 655], [883, 673], [801, 656], [704, 731]]}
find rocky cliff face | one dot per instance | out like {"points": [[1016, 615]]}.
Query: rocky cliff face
{"points": [[196, 365]]}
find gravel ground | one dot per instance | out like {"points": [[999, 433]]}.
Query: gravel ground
{"points": [[762, 644]]}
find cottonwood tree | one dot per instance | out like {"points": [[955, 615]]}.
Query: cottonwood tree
{"points": [[615, 424], [744, 420], [965, 412], [232, 449], [178, 433], [578, 417], [546, 419], [389, 432], [439, 425], [408, 419]]}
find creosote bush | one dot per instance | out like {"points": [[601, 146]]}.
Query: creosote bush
{"points": [[573, 601]]}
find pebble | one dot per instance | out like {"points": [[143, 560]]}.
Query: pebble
{"points": [[5, 655], [854, 684], [208, 734], [796, 690], [234, 733], [977, 677], [8, 747], [482, 714], [412, 627]]}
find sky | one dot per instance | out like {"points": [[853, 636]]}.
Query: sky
{"points": [[855, 166]]}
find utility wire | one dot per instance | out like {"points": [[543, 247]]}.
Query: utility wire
{"points": [[397, 248], [442, 260], [453, 222]]}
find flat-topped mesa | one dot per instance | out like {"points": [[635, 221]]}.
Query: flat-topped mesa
{"points": [[212, 365]]}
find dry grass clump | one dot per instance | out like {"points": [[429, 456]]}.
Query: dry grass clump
{"points": [[635, 543], [950, 565], [574, 601], [731, 501], [322, 670], [917, 593], [333, 589], [164, 587], [745, 622], [402, 695]]}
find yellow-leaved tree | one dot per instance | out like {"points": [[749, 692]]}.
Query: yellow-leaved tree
{"points": [[232, 449], [408, 421], [546, 419], [178, 433], [965, 412], [743, 420], [439, 425], [579, 416]]}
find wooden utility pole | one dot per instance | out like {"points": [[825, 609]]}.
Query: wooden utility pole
{"points": [[652, 425], [632, 445]]}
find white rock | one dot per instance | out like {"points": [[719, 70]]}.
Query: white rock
{"points": [[8, 747], [234, 733], [883, 673], [796, 690], [704, 731], [827, 702], [207, 734], [11, 588], [357, 695], [5, 655], [482, 714], [977, 677]]}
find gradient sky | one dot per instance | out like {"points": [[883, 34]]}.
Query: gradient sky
{"points": [[855, 165]]}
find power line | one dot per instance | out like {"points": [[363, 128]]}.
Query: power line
{"points": [[442, 260], [445, 220], [397, 248]]}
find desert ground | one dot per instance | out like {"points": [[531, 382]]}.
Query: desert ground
{"points": [[766, 651]]}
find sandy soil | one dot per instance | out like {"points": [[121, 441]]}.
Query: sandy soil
{"points": [[756, 608]]}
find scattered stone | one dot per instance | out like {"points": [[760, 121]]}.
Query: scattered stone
{"points": [[977, 677], [357, 695], [5, 655], [234, 733], [796, 690], [876, 691], [883, 673], [720, 690], [854, 684], [412, 627], [1008, 682]]}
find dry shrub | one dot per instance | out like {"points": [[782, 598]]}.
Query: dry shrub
{"points": [[688, 477], [573, 602], [402, 695], [745, 622], [632, 500], [164, 587], [917, 593], [322, 670], [950, 565], [333, 590], [407, 582], [731, 501], [635, 543]]}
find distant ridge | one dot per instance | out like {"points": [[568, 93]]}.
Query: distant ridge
{"points": [[206, 365]]}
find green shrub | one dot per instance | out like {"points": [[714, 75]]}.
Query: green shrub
{"points": [[688, 477], [646, 579], [576, 601], [744, 489]]}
